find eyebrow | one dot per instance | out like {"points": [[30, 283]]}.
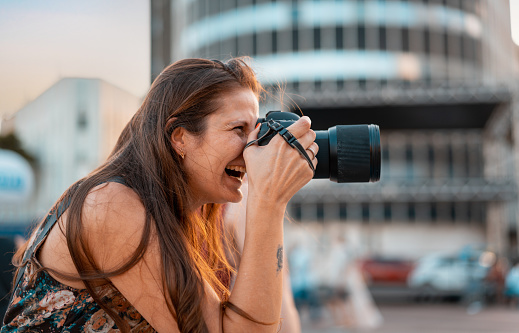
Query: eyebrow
{"points": [[237, 122]]}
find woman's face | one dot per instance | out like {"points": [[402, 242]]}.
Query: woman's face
{"points": [[214, 161]]}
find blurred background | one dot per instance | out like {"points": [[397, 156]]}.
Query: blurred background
{"points": [[432, 247]]}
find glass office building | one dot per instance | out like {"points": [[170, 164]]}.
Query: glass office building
{"points": [[437, 76]]}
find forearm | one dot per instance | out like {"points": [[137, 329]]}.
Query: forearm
{"points": [[291, 322], [258, 287]]}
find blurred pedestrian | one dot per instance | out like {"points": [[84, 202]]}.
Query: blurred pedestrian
{"points": [[137, 244], [334, 283], [495, 280]]}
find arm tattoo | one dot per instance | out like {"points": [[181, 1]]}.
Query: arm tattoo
{"points": [[280, 259]]}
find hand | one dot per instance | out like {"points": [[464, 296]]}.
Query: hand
{"points": [[277, 171]]}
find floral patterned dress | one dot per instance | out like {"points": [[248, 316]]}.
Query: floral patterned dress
{"points": [[42, 304]]}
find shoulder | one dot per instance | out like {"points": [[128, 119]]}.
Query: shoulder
{"points": [[111, 195], [113, 220], [111, 206]]}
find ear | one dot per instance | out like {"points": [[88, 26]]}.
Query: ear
{"points": [[177, 137]]}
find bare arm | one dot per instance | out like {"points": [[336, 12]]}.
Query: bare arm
{"points": [[235, 216]]}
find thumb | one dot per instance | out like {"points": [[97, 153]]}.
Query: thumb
{"points": [[254, 134]]}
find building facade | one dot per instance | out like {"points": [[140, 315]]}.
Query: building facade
{"points": [[437, 76], [70, 129]]}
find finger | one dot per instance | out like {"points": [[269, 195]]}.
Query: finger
{"points": [[312, 150], [307, 139], [254, 134], [300, 127]]}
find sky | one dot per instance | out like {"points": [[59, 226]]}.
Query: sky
{"points": [[42, 41]]}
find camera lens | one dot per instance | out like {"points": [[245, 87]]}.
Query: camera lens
{"points": [[349, 153]]}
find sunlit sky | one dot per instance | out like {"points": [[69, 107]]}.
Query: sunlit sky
{"points": [[42, 41]]}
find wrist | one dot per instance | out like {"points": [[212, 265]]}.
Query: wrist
{"points": [[265, 202]]}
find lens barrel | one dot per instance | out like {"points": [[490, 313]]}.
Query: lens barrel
{"points": [[349, 153]]}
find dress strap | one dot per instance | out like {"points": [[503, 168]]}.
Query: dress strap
{"points": [[42, 233]]}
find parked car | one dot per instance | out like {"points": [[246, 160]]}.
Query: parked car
{"points": [[380, 270], [447, 275]]}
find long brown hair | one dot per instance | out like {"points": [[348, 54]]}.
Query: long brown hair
{"points": [[191, 246]]}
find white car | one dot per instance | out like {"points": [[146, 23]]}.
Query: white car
{"points": [[445, 275]]}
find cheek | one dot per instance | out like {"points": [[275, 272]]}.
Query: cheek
{"points": [[230, 145], [239, 141]]}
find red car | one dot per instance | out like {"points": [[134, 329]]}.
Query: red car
{"points": [[385, 270]]}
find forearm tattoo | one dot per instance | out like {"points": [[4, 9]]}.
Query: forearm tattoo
{"points": [[280, 259]]}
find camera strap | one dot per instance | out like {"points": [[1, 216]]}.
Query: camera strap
{"points": [[275, 127]]}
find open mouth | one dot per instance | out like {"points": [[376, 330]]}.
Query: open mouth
{"points": [[235, 171]]}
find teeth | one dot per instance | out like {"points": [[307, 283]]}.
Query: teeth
{"points": [[237, 168]]}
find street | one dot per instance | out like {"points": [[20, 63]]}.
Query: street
{"points": [[435, 318]]}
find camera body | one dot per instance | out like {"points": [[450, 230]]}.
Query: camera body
{"points": [[347, 153]]}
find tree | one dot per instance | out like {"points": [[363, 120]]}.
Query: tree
{"points": [[11, 142]]}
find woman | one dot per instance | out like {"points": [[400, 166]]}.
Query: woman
{"points": [[138, 247]]}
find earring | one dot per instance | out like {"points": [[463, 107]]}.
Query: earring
{"points": [[182, 154]]}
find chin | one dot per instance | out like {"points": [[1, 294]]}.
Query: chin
{"points": [[235, 197]]}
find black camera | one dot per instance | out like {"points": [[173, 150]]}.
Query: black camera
{"points": [[347, 153]]}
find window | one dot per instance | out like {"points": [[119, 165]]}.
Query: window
{"points": [[342, 211], [445, 37], [254, 43], [411, 211], [320, 211], [405, 39], [317, 38], [387, 211], [362, 83], [382, 38], [426, 42], [340, 84], [462, 47], [452, 208], [450, 161], [409, 161], [318, 85], [361, 37], [295, 39], [339, 38], [434, 211], [365, 212], [430, 157], [274, 41]]}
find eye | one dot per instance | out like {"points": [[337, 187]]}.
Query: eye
{"points": [[239, 128]]}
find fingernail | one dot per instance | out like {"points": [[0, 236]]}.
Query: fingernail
{"points": [[257, 125]]}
